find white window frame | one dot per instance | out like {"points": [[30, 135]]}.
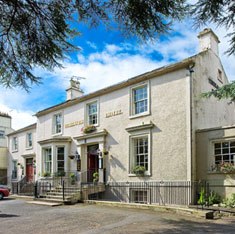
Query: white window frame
{"points": [[227, 154], [133, 113], [28, 146], [15, 144], [57, 147], [54, 127], [46, 161], [87, 112], [132, 157]]}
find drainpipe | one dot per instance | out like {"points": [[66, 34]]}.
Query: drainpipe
{"points": [[190, 69]]}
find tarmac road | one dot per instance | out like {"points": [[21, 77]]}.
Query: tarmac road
{"points": [[18, 216]]}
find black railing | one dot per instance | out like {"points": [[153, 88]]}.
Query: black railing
{"points": [[154, 192]]}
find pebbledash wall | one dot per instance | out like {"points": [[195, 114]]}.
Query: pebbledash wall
{"points": [[149, 120]]}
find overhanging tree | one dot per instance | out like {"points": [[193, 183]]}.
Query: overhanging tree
{"points": [[35, 33]]}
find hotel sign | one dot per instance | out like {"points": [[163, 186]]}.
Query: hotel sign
{"points": [[69, 125], [113, 113]]}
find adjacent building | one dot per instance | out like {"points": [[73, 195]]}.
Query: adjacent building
{"points": [[146, 129], [22, 154], [5, 128]]}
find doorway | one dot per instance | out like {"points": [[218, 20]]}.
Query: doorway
{"points": [[29, 169], [92, 161]]}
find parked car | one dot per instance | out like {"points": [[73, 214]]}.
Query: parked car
{"points": [[5, 187], [4, 192]]}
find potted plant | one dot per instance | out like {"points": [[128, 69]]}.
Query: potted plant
{"points": [[72, 178], [46, 174], [95, 177], [139, 170], [60, 174], [71, 156], [89, 129]]}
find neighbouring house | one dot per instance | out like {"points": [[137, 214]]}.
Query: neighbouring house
{"points": [[22, 154], [142, 137], [5, 128]]}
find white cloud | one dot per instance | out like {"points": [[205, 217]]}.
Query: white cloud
{"points": [[20, 118], [112, 65]]}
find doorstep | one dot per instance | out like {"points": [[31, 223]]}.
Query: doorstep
{"points": [[52, 204]]}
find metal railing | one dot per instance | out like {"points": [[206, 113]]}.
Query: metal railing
{"points": [[154, 192]]}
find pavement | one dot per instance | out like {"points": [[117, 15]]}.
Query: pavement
{"points": [[19, 216]]}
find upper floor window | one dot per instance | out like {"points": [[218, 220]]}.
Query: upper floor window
{"points": [[29, 140], [2, 133], [92, 113], [140, 100], [15, 143], [57, 123]]}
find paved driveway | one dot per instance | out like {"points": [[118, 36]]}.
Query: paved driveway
{"points": [[18, 216]]}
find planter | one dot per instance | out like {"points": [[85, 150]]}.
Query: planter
{"points": [[71, 156], [89, 129], [139, 170]]}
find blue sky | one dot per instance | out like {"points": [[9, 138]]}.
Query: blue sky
{"points": [[106, 58]]}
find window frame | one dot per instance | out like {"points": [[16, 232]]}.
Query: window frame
{"points": [[133, 113], [47, 161], [2, 134], [28, 146], [14, 170], [54, 124], [223, 153], [132, 156], [57, 167], [15, 144], [87, 113], [138, 190]]}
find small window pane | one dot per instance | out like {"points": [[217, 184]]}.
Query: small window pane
{"points": [[225, 144]]}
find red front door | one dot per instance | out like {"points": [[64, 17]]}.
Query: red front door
{"points": [[29, 169], [92, 161]]}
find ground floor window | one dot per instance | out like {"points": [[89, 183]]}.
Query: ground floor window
{"points": [[60, 159], [224, 152], [139, 152], [47, 161], [139, 196], [14, 169]]}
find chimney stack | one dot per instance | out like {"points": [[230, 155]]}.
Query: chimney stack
{"points": [[208, 40], [74, 90]]}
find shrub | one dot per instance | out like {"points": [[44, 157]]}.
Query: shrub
{"points": [[230, 202], [202, 197], [214, 198]]}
